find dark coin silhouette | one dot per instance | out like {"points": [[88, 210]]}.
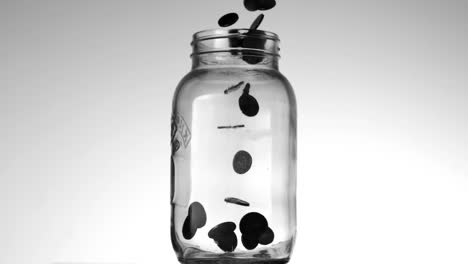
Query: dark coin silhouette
{"points": [[242, 162], [247, 103], [236, 201], [267, 4], [251, 5], [235, 44], [254, 5], [252, 59], [249, 242], [224, 236], [253, 223], [231, 127], [197, 214], [196, 219], [257, 22], [266, 237], [188, 230], [255, 230], [228, 20], [251, 41], [254, 42], [233, 88]]}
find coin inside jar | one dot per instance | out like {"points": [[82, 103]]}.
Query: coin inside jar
{"points": [[242, 162]]}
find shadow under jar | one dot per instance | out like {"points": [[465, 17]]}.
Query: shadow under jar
{"points": [[233, 162]]}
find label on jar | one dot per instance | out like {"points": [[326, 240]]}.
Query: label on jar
{"points": [[179, 131]]}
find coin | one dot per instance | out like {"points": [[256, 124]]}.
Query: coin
{"points": [[228, 20]]}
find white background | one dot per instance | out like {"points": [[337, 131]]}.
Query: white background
{"points": [[85, 99]]}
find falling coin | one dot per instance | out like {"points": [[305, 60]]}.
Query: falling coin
{"points": [[257, 22], [242, 162], [253, 42], [266, 4], [247, 103], [236, 201], [254, 5], [233, 88], [228, 20], [233, 127]]}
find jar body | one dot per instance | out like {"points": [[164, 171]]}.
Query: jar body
{"points": [[233, 164]]}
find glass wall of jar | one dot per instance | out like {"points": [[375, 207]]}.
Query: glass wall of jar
{"points": [[233, 162]]}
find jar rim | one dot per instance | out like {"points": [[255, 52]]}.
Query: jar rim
{"points": [[225, 33]]}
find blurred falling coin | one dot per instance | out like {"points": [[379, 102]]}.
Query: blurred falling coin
{"points": [[254, 5], [233, 88], [236, 201], [257, 22], [242, 162], [266, 4], [251, 5], [251, 41], [247, 103], [228, 20]]}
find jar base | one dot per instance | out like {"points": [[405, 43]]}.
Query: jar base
{"points": [[233, 261]]}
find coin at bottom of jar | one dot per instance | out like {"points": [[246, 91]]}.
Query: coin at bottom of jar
{"points": [[253, 223], [249, 242], [266, 237], [224, 236], [196, 218]]}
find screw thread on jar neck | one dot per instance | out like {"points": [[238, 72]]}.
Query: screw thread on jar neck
{"points": [[235, 47]]}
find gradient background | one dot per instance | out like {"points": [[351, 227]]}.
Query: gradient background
{"points": [[85, 101]]}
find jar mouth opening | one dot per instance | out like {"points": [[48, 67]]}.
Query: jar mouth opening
{"points": [[230, 33], [236, 41]]}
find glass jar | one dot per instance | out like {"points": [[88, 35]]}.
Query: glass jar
{"points": [[233, 163]]}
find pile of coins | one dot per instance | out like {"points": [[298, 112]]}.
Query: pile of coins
{"points": [[196, 219], [253, 226]]}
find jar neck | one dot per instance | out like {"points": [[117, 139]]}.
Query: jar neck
{"points": [[234, 59], [235, 48]]}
